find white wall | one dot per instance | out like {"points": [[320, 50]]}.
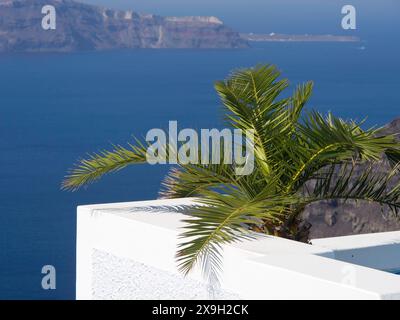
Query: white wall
{"points": [[126, 251]]}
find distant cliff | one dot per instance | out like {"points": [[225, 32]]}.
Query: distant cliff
{"points": [[85, 27]]}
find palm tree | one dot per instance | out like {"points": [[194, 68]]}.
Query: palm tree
{"points": [[300, 158]]}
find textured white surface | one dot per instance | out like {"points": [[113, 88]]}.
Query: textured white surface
{"points": [[125, 251], [118, 278]]}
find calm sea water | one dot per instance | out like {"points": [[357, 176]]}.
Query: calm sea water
{"points": [[55, 108]]}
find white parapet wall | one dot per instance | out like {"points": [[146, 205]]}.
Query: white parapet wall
{"points": [[127, 251]]}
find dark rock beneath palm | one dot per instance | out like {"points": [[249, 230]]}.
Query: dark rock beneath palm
{"points": [[330, 219]]}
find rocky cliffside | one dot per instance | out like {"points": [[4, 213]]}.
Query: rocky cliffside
{"points": [[86, 27], [329, 219], [393, 128]]}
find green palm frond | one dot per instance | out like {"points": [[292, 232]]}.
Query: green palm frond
{"points": [[365, 144], [371, 185], [191, 180], [224, 217], [332, 140], [250, 93], [89, 170]]}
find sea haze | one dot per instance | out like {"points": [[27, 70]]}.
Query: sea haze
{"points": [[55, 108]]}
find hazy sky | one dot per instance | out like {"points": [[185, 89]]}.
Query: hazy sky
{"points": [[290, 16]]}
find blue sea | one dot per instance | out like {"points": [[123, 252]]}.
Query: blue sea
{"points": [[54, 108]]}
